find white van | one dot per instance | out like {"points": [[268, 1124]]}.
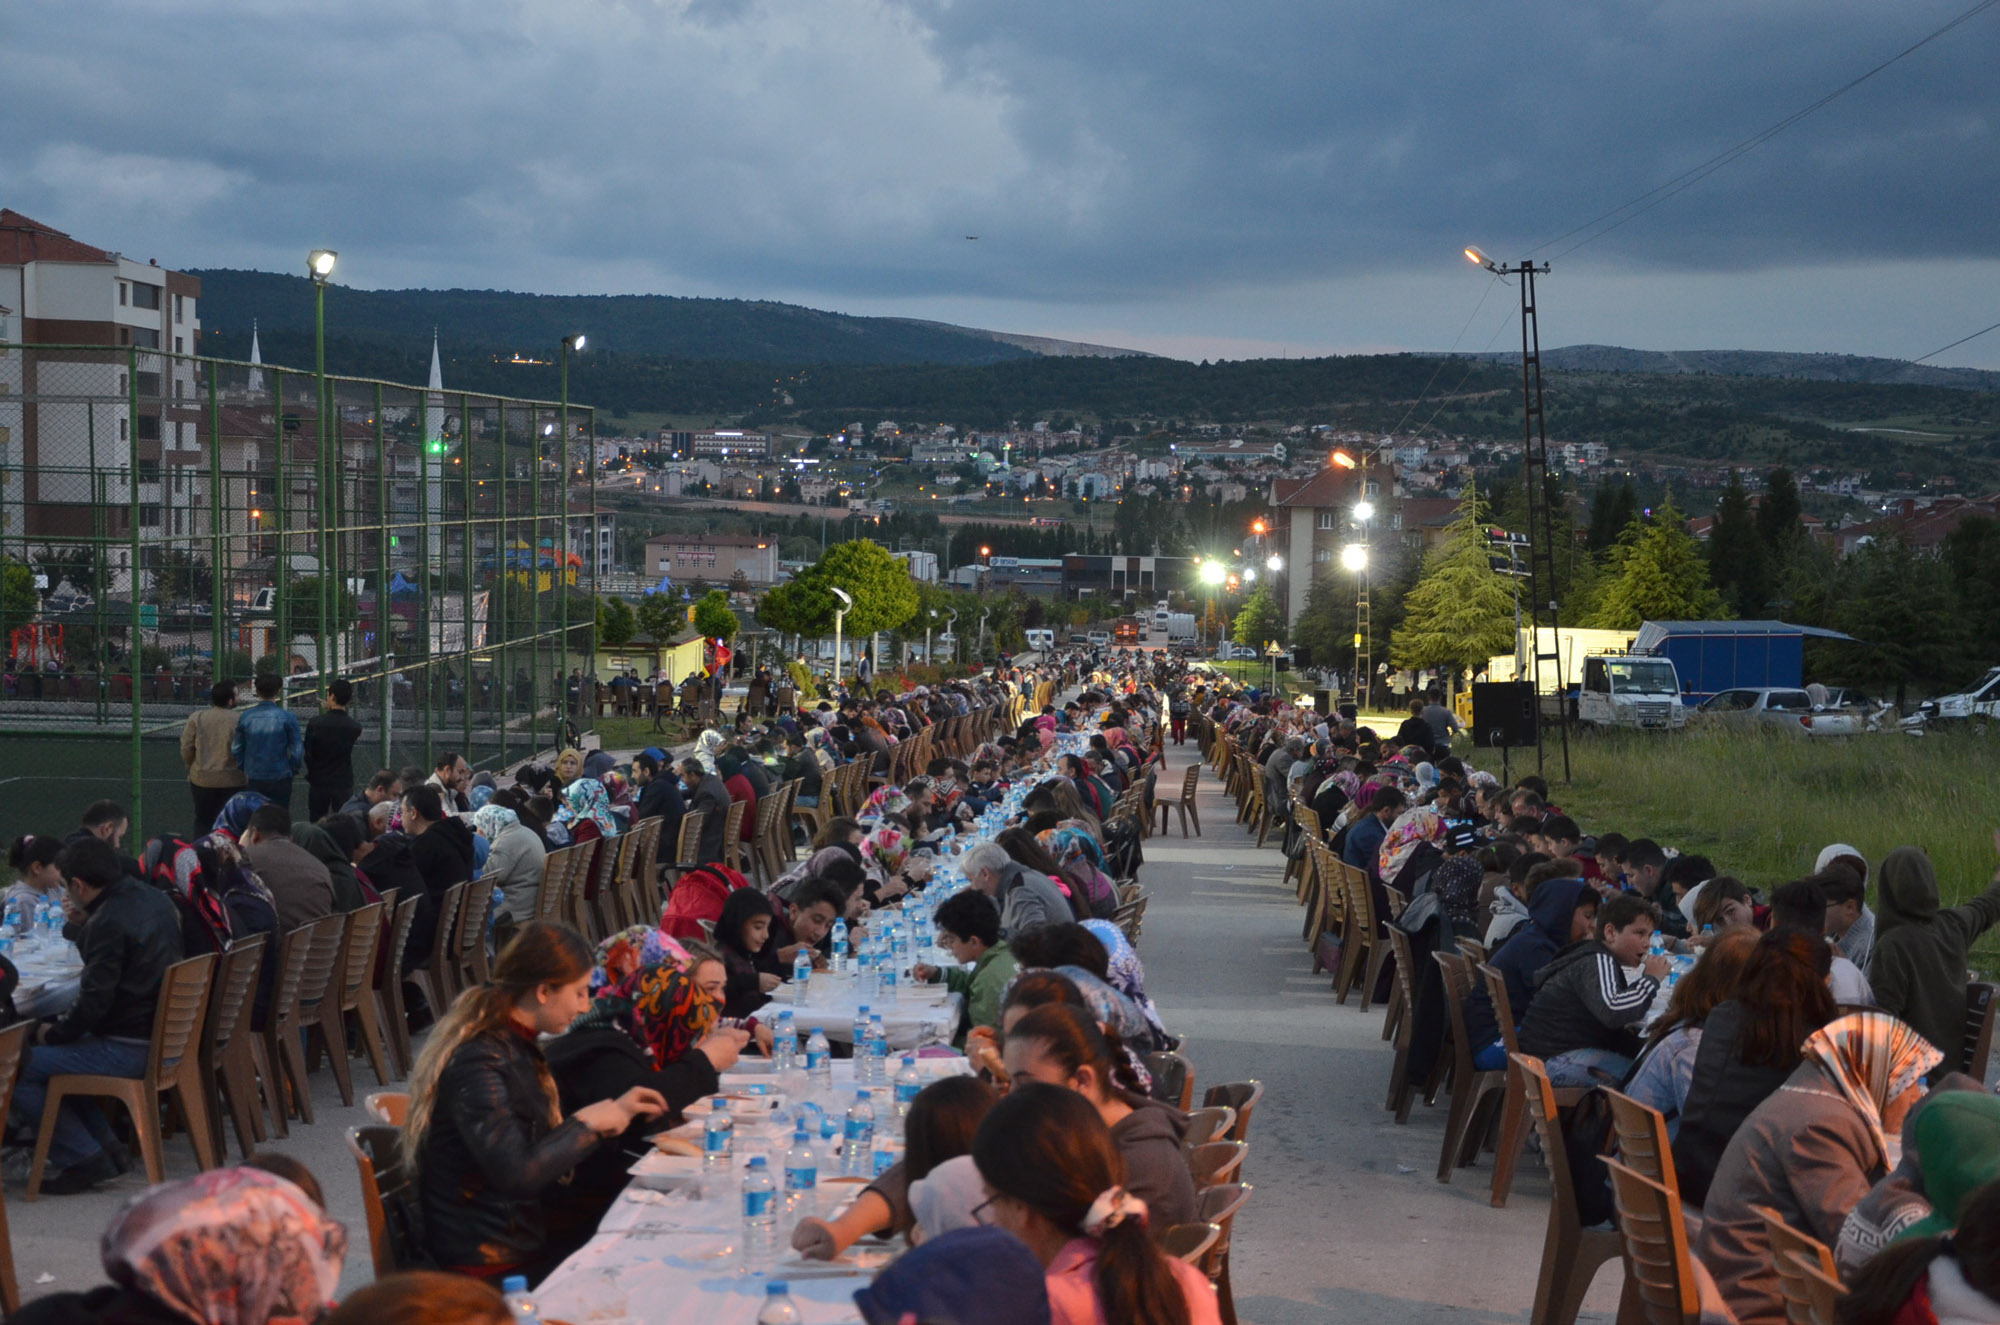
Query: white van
{"points": [[1631, 690], [1041, 640]]}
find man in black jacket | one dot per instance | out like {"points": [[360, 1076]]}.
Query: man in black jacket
{"points": [[441, 849], [330, 739], [129, 934], [704, 792], [659, 795]]}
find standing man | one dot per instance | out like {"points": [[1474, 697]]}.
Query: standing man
{"points": [[269, 745], [213, 773], [704, 793], [130, 934], [330, 740]]}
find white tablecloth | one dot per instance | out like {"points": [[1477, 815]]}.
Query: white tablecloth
{"points": [[918, 1015], [49, 980]]}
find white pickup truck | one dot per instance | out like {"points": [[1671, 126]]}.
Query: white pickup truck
{"points": [[1786, 709], [1978, 703]]}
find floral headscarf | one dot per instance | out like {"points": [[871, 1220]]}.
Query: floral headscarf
{"points": [[478, 796], [886, 848], [1871, 1058], [1117, 1013], [1128, 975], [1415, 828], [232, 1246], [707, 746], [623, 954], [489, 821], [884, 800], [235, 816], [584, 799], [616, 788], [659, 1007], [1348, 782]]}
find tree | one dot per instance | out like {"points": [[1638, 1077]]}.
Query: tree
{"points": [[1460, 613], [1904, 611], [1738, 559], [1780, 517], [1325, 625], [302, 606], [1612, 510], [181, 575], [712, 617], [18, 600], [1657, 574], [617, 623], [1259, 620], [659, 617], [884, 594]]}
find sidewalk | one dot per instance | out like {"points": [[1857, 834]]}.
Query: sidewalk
{"points": [[1348, 1222]]}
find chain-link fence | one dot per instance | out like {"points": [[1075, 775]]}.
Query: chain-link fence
{"points": [[167, 521]]}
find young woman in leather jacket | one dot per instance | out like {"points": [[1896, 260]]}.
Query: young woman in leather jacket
{"points": [[485, 1128]]}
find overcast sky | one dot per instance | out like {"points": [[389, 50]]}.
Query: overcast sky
{"points": [[1199, 178]]}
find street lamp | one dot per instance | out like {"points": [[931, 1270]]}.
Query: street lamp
{"points": [[1364, 510], [1211, 574], [1274, 563], [839, 616], [319, 266], [1354, 557]]}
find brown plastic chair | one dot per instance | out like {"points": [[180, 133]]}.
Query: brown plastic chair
{"points": [[308, 958], [389, 986], [1190, 1243], [436, 977], [687, 846], [764, 867], [733, 845], [1402, 1091], [1473, 949], [1380, 951], [173, 1068], [1218, 1205], [1173, 1079], [1217, 1162], [1982, 1002], [232, 1062], [555, 877], [1571, 1253], [13, 1047], [1472, 1091], [388, 1197], [388, 1107], [1240, 1096], [1791, 1251], [468, 946], [1513, 1113], [1643, 1143], [1659, 1269], [352, 994], [1360, 937], [1823, 1290], [1208, 1123]]}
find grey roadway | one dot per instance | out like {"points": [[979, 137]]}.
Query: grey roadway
{"points": [[1347, 1222]]}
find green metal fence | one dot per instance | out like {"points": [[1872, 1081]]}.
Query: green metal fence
{"points": [[168, 520]]}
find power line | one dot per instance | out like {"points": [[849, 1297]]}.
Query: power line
{"points": [[1960, 341], [1447, 354], [1687, 179]]}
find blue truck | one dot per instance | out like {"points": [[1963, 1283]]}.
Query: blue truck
{"points": [[1713, 656]]}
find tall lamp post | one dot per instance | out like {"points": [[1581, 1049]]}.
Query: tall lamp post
{"points": [[319, 265], [839, 616], [1354, 558], [1213, 573], [574, 341]]}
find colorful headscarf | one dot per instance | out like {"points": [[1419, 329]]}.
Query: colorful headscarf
{"points": [[232, 1246], [235, 816], [659, 1007], [886, 848], [479, 795], [707, 746], [584, 799], [1116, 1013], [1128, 974], [884, 800], [193, 888], [616, 788], [1415, 828], [1871, 1058], [489, 821], [623, 954]]}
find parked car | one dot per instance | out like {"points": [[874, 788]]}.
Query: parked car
{"points": [[1786, 709], [1978, 704], [1237, 653]]}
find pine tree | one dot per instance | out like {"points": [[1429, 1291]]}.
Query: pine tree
{"points": [[1259, 621], [1780, 517], [1657, 574], [1738, 560], [1460, 613], [1904, 610]]}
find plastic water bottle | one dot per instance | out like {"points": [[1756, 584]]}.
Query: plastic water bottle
{"points": [[802, 974], [12, 917], [760, 1216], [1658, 947], [860, 1045], [716, 1135], [801, 1172], [784, 1043], [908, 1083], [52, 920], [859, 1138], [887, 979], [878, 1051], [882, 1152], [819, 1058], [778, 1307], [840, 947], [519, 1305]]}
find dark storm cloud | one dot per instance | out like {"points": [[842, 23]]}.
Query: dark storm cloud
{"points": [[1107, 151]]}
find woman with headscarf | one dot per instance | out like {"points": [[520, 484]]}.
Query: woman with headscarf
{"points": [[651, 1024], [569, 766], [236, 812], [587, 811], [514, 862], [707, 747], [231, 1246], [1126, 974], [884, 853], [1811, 1152], [1412, 848], [749, 957], [1080, 864], [1951, 1148]]}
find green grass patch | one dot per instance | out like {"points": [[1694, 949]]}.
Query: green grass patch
{"points": [[1762, 804]]}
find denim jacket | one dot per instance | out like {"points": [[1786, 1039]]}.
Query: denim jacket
{"points": [[269, 742]]}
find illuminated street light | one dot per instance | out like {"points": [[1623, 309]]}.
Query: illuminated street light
{"points": [[1354, 556], [1249, 577], [1213, 573], [1473, 255], [1274, 563], [1344, 460], [1364, 510], [320, 263], [574, 341], [1257, 526]]}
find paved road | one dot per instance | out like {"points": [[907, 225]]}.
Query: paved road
{"points": [[1348, 1222]]}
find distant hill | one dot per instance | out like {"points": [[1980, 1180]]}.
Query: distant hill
{"points": [[662, 326], [1761, 363]]}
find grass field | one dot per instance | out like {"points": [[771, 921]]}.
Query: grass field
{"points": [[1761, 805]]}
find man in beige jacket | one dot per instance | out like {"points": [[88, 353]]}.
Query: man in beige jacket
{"points": [[213, 774]]}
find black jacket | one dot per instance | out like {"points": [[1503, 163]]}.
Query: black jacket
{"points": [[130, 937], [661, 799], [329, 758], [712, 799], [601, 1064], [1583, 1000], [442, 854], [1723, 1090], [491, 1155]]}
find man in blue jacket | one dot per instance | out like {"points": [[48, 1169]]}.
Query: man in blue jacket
{"points": [[1561, 911], [270, 745]]}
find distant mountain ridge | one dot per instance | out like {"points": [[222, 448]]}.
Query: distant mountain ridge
{"points": [[1761, 363], [665, 326]]}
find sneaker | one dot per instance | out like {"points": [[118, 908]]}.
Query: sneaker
{"points": [[16, 1163], [78, 1178]]}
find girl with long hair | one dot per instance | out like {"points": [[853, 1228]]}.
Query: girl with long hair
{"points": [[1665, 1068], [743, 936], [1055, 1181], [485, 1129]]}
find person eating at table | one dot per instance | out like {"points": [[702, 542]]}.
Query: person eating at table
{"points": [[750, 959], [485, 1127], [1055, 1181], [968, 927], [805, 920]]}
